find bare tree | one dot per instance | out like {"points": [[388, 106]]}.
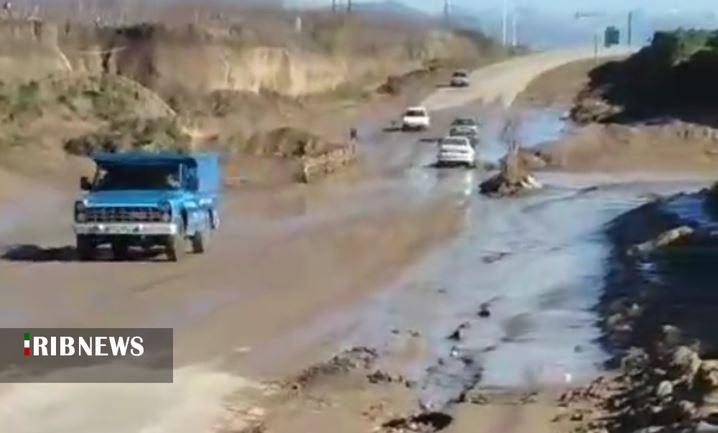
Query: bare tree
{"points": [[510, 137]]}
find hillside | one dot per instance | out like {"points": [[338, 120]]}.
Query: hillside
{"points": [[672, 77], [214, 82]]}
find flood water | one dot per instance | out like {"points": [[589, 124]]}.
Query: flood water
{"points": [[537, 262]]}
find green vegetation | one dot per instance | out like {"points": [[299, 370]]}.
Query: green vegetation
{"points": [[134, 134], [675, 74], [115, 111]]}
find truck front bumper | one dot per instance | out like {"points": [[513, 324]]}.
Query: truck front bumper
{"points": [[126, 229]]}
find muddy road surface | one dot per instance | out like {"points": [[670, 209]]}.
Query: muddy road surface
{"points": [[297, 273]]}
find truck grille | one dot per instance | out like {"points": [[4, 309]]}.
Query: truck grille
{"points": [[123, 214]]}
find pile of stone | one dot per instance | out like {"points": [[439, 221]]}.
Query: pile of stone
{"points": [[672, 390]]}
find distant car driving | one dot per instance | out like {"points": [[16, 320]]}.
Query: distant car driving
{"points": [[466, 122], [460, 79], [466, 132], [456, 151], [416, 119]]}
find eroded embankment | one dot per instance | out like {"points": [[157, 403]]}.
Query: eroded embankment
{"points": [[658, 313], [329, 53]]}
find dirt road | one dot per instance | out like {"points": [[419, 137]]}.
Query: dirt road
{"points": [[503, 82], [293, 273]]}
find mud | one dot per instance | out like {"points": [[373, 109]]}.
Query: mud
{"points": [[299, 273]]}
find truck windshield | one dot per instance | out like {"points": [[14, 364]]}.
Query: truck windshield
{"points": [[137, 178]]}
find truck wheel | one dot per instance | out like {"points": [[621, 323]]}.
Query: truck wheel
{"points": [[85, 248], [200, 241], [119, 250], [176, 244], [201, 238], [176, 247]]}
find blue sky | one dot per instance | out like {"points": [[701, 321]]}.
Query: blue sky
{"points": [[658, 6]]}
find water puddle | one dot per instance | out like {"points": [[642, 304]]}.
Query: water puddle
{"points": [[520, 282], [695, 210], [532, 128]]}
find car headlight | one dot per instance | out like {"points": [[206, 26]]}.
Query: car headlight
{"points": [[80, 212], [166, 212]]}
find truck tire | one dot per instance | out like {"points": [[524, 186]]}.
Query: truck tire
{"points": [[175, 247], [85, 248], [176, 244], [119, 250], [200, 241], [201, 238]]}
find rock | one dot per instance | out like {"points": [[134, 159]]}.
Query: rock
{"points": [[474, 396], [705, 427], [529, 398], [380, 377], [673, 413], [685, 363], [467, 360], [663, 240], [671, 334], [707, 376], [484, 311], [664, 390], [455, 352], [635, 361], [494, 257], [458, 333]]}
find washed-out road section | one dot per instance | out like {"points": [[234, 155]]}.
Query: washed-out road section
{"points": [[265, 300]]}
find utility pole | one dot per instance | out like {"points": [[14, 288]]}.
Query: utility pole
{"points": [[629, 36], [504, 24], [349, 6], [447, 11], [334, 6]]}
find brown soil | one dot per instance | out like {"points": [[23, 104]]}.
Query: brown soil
{"points": [[669, 148], [353, 390], [665, 146], [559, 87]]}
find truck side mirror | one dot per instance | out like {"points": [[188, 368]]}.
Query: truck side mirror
{"points": [[85, 184]]}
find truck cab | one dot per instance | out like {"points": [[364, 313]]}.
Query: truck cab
{"points": [[148, 200]]}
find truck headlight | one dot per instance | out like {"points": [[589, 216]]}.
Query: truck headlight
{"points": [[166, 212], [80, 212]]}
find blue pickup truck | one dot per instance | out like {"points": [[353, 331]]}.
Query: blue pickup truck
{"points": [[148, 200]]}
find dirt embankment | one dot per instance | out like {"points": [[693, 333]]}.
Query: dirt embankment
{"points": [[658, 311], [215, 84], [595, 142]]}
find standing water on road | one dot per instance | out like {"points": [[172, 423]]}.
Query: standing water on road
{"points": [[537, 265], [519, 283]]}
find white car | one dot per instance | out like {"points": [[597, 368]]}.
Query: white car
{"points": [[460, 79], [416, 119], [466, 122], [456, 151], [465, 131]]}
